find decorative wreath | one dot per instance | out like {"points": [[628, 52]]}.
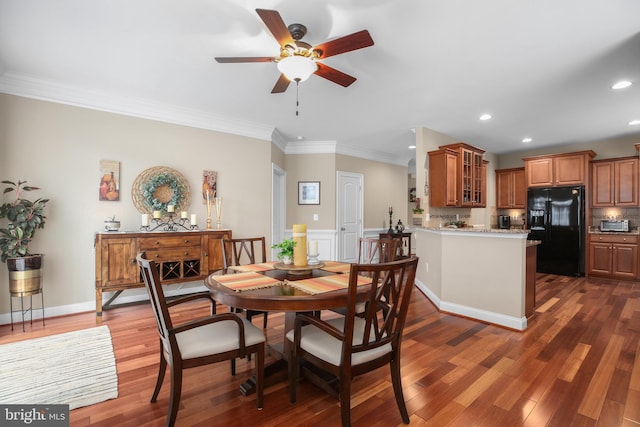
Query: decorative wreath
{"points": [[158, 187]]}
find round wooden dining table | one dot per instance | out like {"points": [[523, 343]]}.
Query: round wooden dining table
{"points": [[280, 297]]}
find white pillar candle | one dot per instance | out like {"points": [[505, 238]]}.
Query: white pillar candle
{"points": [[145, 220], [184, 214], [156, 214], [313, 247], [170, 208], [193, 219]]}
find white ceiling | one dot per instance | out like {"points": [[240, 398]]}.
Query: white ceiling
{"points": [[542, 68]]}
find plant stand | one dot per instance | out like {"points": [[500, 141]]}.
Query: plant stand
{"points": [[29, 309]]}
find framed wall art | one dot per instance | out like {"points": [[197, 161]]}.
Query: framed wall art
{"points": [[209, 185], [109, 189], [308, 192]]}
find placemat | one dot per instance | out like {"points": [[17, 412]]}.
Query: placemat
{"points": [[246, 281], [336, 267], [317, 285], [263, 266]]}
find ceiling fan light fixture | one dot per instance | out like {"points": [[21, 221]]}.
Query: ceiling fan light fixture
{"points": [[297, 68]]}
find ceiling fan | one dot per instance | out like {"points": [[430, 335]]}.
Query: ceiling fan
{"points": [[298, 59]]}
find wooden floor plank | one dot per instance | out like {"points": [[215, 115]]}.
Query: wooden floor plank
{"points": [[577, 364]]}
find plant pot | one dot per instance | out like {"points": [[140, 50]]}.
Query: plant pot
{"points": [[24, 275], [287, 260]]}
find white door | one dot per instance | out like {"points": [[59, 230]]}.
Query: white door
{"points": [[349, 206], [278, 206]]}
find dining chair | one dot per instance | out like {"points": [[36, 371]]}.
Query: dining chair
{"points": [[355, 344], [203, 341], [248, 250], [371, 250]]}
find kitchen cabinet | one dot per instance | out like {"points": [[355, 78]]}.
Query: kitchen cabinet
{"points": [[614, 182], [457, 176], [511, 192], [558, 169], [443, 178], [613, 256], [180, 256]]}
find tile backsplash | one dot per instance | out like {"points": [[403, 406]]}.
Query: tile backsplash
{"points": [[632, 214]]}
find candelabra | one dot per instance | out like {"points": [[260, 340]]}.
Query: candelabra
{"points": [[390, 230], [169, 224]]}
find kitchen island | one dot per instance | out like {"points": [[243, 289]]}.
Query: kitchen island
{"points": [[488, 275]]}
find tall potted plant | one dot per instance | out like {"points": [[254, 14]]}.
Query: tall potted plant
{"points": [[24, 217]]}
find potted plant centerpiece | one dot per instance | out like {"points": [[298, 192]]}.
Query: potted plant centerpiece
{"points": [[286, 250], [24, 217]]}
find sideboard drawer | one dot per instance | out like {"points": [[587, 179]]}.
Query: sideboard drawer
{"points": [[174, 254], [146, 243]]}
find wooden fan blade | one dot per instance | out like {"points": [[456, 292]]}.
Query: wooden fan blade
{"points": [[334, 75], [225, 60], [276, 25], [344, 44], [281, 85]]}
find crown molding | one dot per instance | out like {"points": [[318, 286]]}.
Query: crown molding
{"points": [[78, 97], [377, 156], [63, 94], [311, 147]]}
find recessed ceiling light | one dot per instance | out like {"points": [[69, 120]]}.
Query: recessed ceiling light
{"points": [[485, 117], [412, 147], [526, 140], [634, 122], [621, 84]]}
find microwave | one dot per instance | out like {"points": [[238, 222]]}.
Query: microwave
{"points": [[610, 225]]}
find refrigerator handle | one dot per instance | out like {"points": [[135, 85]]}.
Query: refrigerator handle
{"points": [[547, 214]]}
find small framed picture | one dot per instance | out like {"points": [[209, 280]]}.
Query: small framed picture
{"points": [[308, 192]]}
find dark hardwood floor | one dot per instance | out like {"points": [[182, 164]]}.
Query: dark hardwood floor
{"points": [[578, 364]]}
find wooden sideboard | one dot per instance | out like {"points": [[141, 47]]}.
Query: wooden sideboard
{"points": [[181, 257]]}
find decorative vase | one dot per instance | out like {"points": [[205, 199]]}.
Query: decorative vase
{"points": [[24, 275], [286, 260]]}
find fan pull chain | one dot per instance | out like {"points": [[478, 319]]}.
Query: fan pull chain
{"points": [[297, 102]]}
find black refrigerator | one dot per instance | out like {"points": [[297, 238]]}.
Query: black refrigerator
{"points": [[556, 217]]}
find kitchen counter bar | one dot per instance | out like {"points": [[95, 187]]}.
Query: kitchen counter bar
{"points": [[487, 275]]}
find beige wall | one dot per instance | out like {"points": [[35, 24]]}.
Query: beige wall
{"points": [[311, 167], [59, 147], [384, 185]]}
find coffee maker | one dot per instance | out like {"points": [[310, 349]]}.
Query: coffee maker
{"points": [[504, 222]]}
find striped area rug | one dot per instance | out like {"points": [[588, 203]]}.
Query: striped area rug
{"points": [[76, 368]]}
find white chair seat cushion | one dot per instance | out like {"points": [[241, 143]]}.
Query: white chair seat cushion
{"points": [[216, 338], [327, 348]]}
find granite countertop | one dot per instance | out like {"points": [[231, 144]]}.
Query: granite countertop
{"points": [[480, 230], [596, 230]]}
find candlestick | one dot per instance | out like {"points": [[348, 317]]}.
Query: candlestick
{"points": [[218, 212], [145, 220], [156, 214], [193, 219], [171, 208], [313, 253], [184, 214]]}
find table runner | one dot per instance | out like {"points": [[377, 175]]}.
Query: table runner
{"points": [[263, 266], [246, 281], [317, 285], [336, 267]]}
